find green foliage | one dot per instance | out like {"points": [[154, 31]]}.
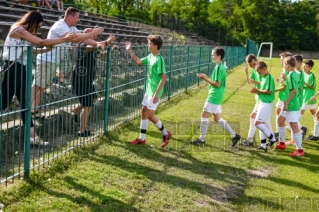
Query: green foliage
{"points": [[289, 24]]}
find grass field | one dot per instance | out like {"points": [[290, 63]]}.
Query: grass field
{"points": [[110, 175]]}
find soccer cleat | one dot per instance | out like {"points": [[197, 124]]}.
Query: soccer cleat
{"points": [[271, 143], [137, 141], [304, 131], [281, 145], [297, 153], [262, 148], [166, 139], [292, 142], [247, 143], [235, 140], [276, 134], [197, 142], [313, 138]]}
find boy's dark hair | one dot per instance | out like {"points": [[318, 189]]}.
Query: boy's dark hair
{"points": [[261, 65], [71, 11], [219, 52], [285, 54], [290, 61], [299, 58], [156, 40], [250, 58], [310, 63]]}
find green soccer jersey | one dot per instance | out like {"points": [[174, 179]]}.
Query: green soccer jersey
{"points": [[216, 94], [309, 92], [256, 77], [267, 83], [301, 79], [155, 67], [282, 96], [293, 81]]}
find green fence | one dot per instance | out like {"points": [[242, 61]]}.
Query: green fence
{"points": [[117, 94]]}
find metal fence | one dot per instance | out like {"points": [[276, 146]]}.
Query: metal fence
{"points": [[118, 91]]}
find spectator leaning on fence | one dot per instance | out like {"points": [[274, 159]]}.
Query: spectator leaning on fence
{"points": [[47, 62], [83, 77], [22, 33]]}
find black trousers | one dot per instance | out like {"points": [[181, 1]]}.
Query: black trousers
{"points": [[14, 83]]}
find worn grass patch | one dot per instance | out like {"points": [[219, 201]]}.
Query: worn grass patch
{"points": [[110, 175]]}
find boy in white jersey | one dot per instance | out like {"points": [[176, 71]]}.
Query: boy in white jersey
{"points": [[215, 99], [266, 95], [156, 78]]}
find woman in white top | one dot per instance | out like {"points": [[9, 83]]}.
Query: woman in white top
{"points": [[22, 34]]}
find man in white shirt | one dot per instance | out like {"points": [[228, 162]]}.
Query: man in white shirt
{"points": [[48, 62]]}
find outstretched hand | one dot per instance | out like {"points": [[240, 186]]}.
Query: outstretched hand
{"points": [[128, 45], [97, 31], [110, 40]]}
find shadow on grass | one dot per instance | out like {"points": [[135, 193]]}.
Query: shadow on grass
{"points": [[104, 203]]}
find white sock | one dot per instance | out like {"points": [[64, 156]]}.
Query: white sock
{"points": [[298, 140], [316, 132], [277, 127], [203, 128], [143, 128], [266, 132], [267, 124], [252, 129], [160, 126], [262, 135], [263, 145], [226, 127], [282, 134]]}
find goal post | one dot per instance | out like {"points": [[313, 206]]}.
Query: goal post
{"points": [[270, 52]]}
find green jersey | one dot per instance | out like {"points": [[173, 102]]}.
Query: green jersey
{"points": [[216, 94], [302, 79], [282, 96], [267, 83], [155, 67], [256, 77], [309, 92], [293, 82]]}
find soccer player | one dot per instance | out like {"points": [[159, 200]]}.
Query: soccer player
{"points": [[253, 78], [266, 96], [291, 109], [215, 99], [281, 89], [155, 80]]}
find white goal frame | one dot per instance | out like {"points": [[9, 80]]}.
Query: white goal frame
{"points": [[271, 47]]}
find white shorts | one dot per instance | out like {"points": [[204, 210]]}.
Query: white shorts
{"points": [[212, 108], [308, 107], [44, 73], [264, 112], [292, 116], [280, 104], [255, 110], [148, 102]]}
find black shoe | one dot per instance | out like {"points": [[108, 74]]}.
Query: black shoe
{"points": [[247, 143], [304, 132], [265, 149], [86, 133], [276, 134], [313, 138], [271, 143], [197, 142], [235, 140]]}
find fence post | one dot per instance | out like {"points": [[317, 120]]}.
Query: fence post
{"points": [[247, 46], [170, 71], [199, 63], [106, 92], [27, 115], [187, 67]]}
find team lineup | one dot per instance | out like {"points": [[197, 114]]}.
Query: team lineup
{"points": [[296, 94]]}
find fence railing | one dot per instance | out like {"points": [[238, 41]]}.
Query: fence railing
{"points": [[99, 92]]}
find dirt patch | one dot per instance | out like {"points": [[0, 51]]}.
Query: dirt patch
{"points": [[258, 172]]}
